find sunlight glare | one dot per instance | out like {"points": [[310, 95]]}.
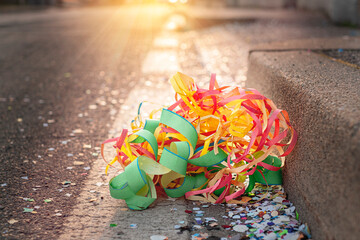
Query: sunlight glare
{"points": [[176, 22]]}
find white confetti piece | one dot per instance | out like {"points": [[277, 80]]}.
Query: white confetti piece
{"points": [[158, 237], [278, 199], [240, 228]]}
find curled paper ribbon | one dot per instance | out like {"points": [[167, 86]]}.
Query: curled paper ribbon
{"points": [[204, 146]]}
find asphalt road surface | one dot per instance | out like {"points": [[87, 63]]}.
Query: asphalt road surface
{"points": [[62, 73]]}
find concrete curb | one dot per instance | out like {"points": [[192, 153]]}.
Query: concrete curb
{"points": [[309, 44], [322, 99], [249, 13]]}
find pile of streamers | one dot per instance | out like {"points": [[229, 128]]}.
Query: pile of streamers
{"points": [[210, 145]]}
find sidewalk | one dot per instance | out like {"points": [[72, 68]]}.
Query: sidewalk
{"points": [[224, 50]]}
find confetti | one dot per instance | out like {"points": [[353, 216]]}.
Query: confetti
{"points": [[29, 199], [278, 199], [28, 210], [158, 237], [251, 216], [240, 228], [274, 213], [213, 139], [133, 225]]}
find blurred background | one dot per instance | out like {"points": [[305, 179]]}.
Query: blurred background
{"points": [[337, 10]]}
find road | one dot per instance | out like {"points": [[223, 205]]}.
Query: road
{"points": [[71, 78], [63, 75]]}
